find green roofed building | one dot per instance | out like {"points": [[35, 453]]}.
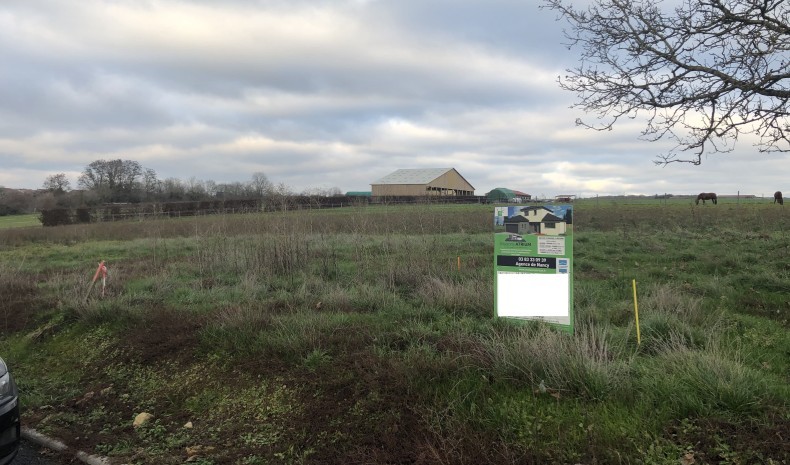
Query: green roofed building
{"points": [[503, 194], [359, 193]]}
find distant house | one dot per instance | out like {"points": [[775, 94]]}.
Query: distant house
{"points": [[503, 195], [564, 198], [422, 182], [536, 220]]}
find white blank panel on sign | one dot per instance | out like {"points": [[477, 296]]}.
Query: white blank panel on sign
{"points": [[532, 295]]}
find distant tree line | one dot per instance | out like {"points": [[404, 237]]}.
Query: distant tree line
{"points": [[110, 190], [104, 182], [117, 211], [125, 211]]}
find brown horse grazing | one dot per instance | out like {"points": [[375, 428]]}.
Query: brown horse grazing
{"points": [[778, 198], [706, 196]]}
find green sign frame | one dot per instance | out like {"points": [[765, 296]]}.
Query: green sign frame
{"points": [[533, 263]]}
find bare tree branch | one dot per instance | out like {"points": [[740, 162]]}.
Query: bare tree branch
{"points": [[703, 73]]}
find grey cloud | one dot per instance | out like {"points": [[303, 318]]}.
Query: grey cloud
{"points": [[328, 92]]}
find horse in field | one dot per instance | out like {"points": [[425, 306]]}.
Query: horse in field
{"points": [[706, 196], [778, 198]]}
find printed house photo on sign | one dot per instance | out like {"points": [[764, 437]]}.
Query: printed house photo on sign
{"points": [[538, 220]]}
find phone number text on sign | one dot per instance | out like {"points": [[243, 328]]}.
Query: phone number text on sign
{"points": [[527, 262]]}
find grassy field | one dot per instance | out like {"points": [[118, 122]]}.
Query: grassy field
{"points": [[19, 221], [351, 336]]}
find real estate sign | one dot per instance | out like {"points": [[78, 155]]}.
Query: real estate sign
{"points": [[533, 253]]}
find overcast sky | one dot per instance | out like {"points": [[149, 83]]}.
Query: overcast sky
{"points": [[334, 93]]}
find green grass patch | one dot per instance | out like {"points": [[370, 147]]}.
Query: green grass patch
{"points": [[353, 336], [19, 221]]}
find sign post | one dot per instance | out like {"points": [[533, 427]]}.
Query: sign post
{"points": [[533, 272]]}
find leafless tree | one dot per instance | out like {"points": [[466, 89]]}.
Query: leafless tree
{"points": [[113, 180], [702, 72], [150, 184], [260, 185], [235, 190], [46, 201], [211, 188], [15, 201], [195, 189], [280, 195], [173, 189], [322, 191], [57, 183]]}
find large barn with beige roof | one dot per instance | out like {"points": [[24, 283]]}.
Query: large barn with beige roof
{"points": [[422, 183]]}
